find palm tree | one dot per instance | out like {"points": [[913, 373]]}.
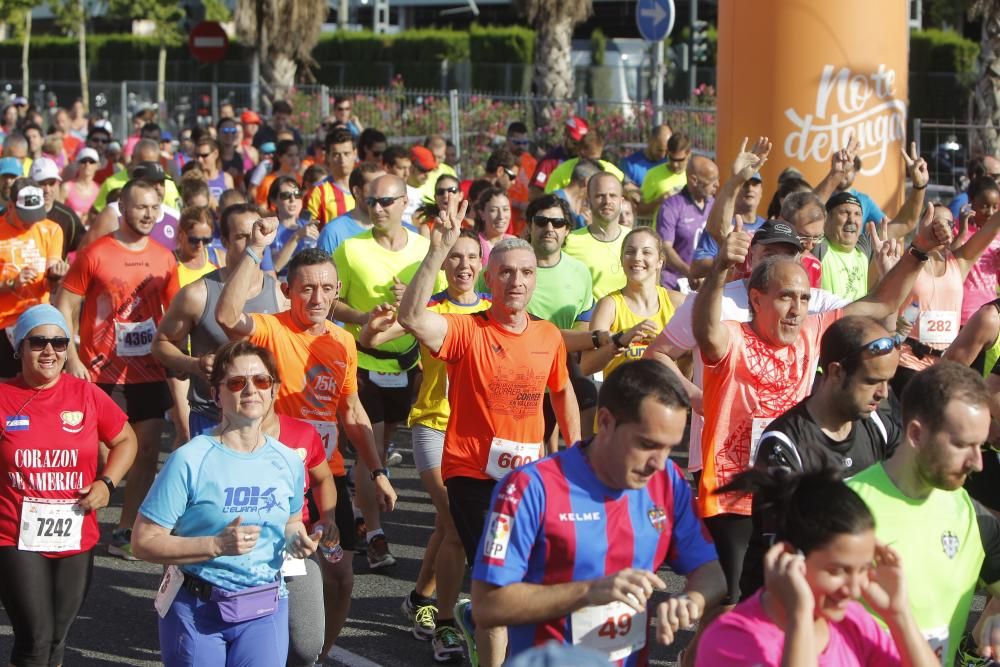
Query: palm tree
{"points": [[553, 21], [283, 33], [986, 94]]}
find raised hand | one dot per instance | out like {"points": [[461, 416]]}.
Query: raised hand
{"points": [[933, 233], [449, 224], [785, 578], [735, 247], [749, 162], [887, 251], [843, 160], [885, 591], [263, 233], [916, 167]]}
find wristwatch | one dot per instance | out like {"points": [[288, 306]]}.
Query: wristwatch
{"points": [[107, 481], [379, 471], [919, 254], [617, 340]]}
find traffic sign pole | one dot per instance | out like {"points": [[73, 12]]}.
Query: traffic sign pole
{"points": [[655, 20], [658, 88]]}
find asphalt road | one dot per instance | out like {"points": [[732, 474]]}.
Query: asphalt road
{"points": [[117, 625]]}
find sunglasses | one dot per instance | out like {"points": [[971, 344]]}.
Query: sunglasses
{"points": [[229, 130], [384, 202], [347, 108], [95, 140], [202, 156], [87, 161], [239, 382], [289, 196], [199, 240], [520, 142], [39, 343], [542, 221], [510, 174], [877, 348], [446, 191]]}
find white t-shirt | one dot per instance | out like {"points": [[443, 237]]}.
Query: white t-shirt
{"points": [[413, 202], [679, 332]]}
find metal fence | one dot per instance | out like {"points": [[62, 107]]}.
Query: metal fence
{"points": [[947, 146]]}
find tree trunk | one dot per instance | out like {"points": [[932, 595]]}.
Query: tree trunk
{"points": [[25, 79], [553, 66], [81, 35], [986, 96], [282, 76], [161, 82]]}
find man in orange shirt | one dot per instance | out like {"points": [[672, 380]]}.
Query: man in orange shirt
{"points": [[500, 363], [318, 362], [30, 261], [518, 143], [114, 296]]}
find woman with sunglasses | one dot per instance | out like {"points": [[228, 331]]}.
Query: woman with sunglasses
{"points": [[294, 232], [492, 215], [446, 188], [80, 192], [206, 154], [825, 558], [222, 512], [49, 448], [637, 312]]}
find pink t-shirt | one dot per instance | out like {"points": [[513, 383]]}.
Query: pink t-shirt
{"points": [[939, 299], [747, 636], [981, 283]]}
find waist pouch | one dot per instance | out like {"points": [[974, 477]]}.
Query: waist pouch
{"points": [[247, 604]]}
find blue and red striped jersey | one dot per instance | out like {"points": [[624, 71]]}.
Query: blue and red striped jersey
{"points": [[553, 521]]}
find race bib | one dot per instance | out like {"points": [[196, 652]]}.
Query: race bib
{"points": [[506, 455], [614, 629], [50, 525], [134, 339], [938, 639], [169, 585], [938, 326], [388, 380], [293, 567], [757, 429], [328, 434]]}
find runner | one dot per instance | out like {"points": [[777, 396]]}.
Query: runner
{"points": [[599, 244], [49, 501], [332, 197], [501, 362], [319, 360], [573, 541], [113, 296]]}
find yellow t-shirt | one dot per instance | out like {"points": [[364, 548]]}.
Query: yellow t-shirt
{"points": [[626, 319], [563, 174], [661, 181], [603, 258], [427, 189], [366, 270], [431, 409]]}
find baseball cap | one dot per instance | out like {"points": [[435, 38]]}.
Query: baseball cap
{"points": [[268, 147], [776, 231], [44, 169], [30, 204], [20, 101], [757, 177], [577, 128], [149, 171], [844, 197], [423, 158], [9, 166], [166, 136], [249, 117], [87, 153]]}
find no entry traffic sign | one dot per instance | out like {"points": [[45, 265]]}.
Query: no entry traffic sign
{"points": [[208, 42]]}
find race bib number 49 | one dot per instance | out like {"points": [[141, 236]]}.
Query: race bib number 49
{"points": [[615, 629], [50, 525]]}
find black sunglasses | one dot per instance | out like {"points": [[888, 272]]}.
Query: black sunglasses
{"points": [[199, 240], [520, 142], [204, 155], [446, 191], [877, 348], [39, 343], [541, 221], [384, 202], [510, 174], [288, 196]]}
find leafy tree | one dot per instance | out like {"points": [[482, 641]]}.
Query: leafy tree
{"points": [[166, 16]]}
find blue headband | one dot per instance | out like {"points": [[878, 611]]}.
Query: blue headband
{"points": [[37, 316]]}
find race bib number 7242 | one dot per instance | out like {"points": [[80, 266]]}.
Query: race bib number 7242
{"points": [[50, 525]]}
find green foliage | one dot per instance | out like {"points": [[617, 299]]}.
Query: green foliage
{"points": [[712, 36], [501, 44], [942, 71], [936, 50], [216, 10], [165, 14], [598, 47]]}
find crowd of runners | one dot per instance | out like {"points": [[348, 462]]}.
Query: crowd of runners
{"points": [[548, 329]]}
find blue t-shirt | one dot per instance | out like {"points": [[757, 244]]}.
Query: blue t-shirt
{"points": [[708, 248], [870, 212], [636, 165], [337, 231], [554, 520], [956, 204], [285, 235], [579, 222], [205, 485]]}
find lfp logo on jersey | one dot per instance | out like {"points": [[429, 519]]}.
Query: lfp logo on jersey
{"points": [[497, 537]]}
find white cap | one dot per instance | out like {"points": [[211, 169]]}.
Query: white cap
{"points": [[87, 153], [30, 204], [43, 169]]}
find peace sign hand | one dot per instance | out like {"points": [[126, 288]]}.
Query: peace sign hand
{"points": [[449, 224], [747, 163], [916, 167], [887, 251], [843, 160]]}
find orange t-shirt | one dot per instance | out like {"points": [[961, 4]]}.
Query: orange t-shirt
{"points": [[752, 384], [124, 294], [518, 192], [34, 247], [496, 384], [260, 194], [316, 373]]}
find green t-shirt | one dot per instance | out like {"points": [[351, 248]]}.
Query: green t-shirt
{"points": [[563, 174], [563, 293], [845, 272], [941, 547], [603, 258], [366, 270], [661, 181]]}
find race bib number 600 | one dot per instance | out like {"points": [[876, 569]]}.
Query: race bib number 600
{"points": [[50, 525], [615, 629], [507, 455]]}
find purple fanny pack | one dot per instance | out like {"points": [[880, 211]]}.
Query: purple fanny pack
{"points": [[246, 604]]}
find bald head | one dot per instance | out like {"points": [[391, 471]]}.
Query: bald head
{"points": [[387, 185], [602, 181], [992, 165], [701, 166], [146, 150], [656, 147], [702, 177]]}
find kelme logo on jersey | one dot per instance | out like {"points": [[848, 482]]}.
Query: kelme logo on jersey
{"points": [[950, 543], [658, 518], [72, 421], [241, 499]]}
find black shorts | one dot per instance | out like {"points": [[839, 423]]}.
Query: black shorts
{"points": [[344, 514], [731, 534], [141, 400], [385, 404], [469, 504]]}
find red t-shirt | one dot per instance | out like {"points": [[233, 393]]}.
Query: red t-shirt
{"points": [[813, 267], [125, 292], [302, 439], [49, 447]]}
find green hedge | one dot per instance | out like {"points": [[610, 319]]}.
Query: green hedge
{"points": [[942, 71]]}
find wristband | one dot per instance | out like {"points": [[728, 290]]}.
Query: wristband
{"points": [[922, 187], [252, 255], [617, 340], [379, 471], [107, 481], [596, 338], [919, 254]]}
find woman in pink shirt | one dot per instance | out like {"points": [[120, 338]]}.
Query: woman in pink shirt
{"points": [[826, 558], [981, 283], [492, 211]]}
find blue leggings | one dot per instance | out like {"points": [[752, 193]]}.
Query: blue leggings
{"points": [[194, 635]]}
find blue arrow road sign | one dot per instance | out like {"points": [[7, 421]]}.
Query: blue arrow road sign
{"points": [[655, 18]]}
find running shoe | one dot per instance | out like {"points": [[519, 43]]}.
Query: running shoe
{"points": [[394, 458], [968, 654], [463, 619], [121, 544], [378, 553], [422, 618], [447, 644]]}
